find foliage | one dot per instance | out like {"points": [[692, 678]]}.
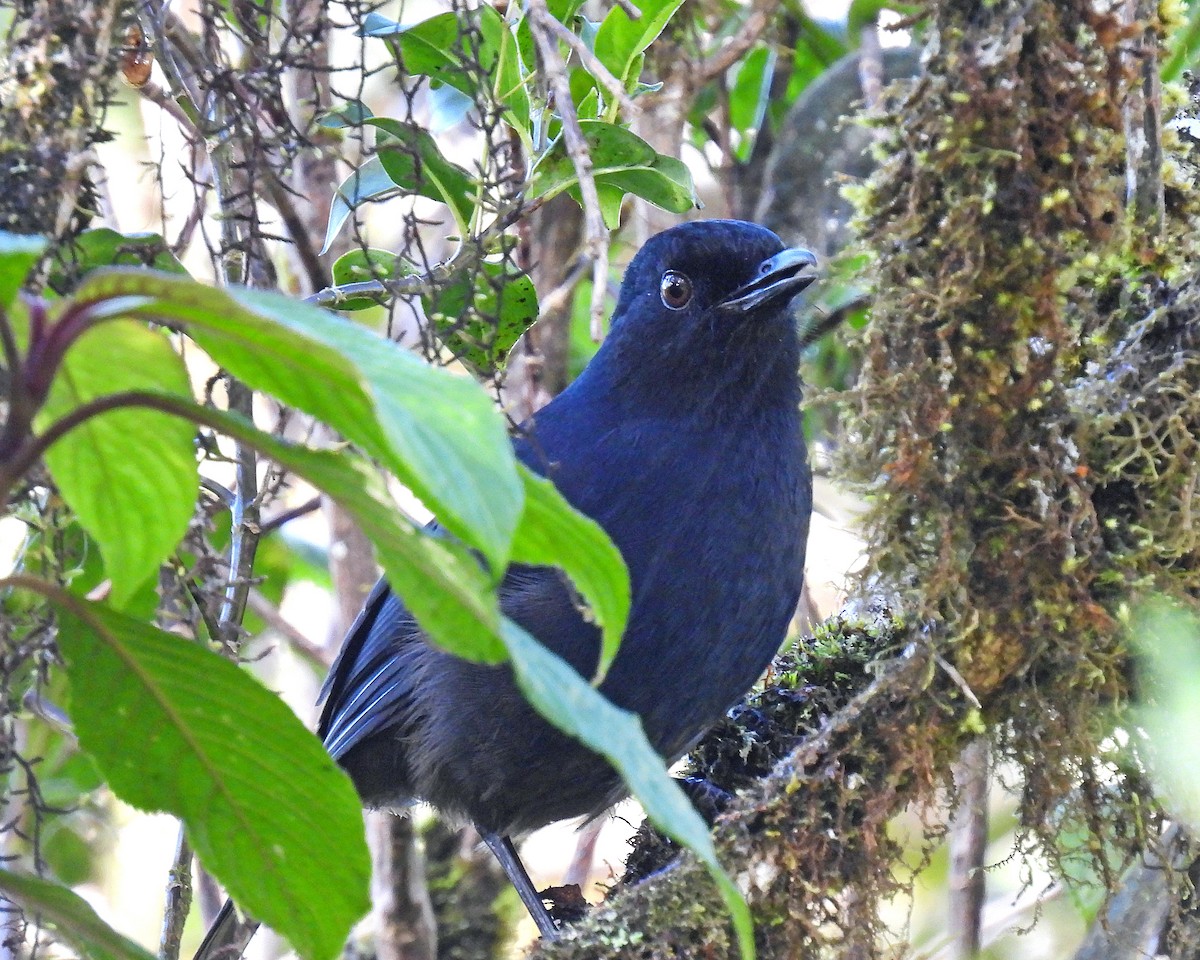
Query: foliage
{"points": [[103, 412]]}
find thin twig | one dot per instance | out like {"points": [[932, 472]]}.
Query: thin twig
{"points": [[313, 652], [164, 101], [179, 899], [470, 252], [595, 240], [593, 65], [761, 12], [277, 521], [632, 12], [968, 845]]}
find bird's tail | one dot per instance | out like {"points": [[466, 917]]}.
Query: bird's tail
{"points": [[227, 937]]}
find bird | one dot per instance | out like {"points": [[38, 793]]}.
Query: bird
{"points": [[683, 440]]}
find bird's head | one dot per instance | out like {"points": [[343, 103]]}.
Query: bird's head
{"points": [[706, 302]]}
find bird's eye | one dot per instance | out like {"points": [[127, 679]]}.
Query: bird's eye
{"points": [[675, 290]]}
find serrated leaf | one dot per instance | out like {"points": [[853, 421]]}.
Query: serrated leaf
{"points": [[175, 727], [481, 314], [438, 433], [129, 475], [72, 918], [413, 161], [621, 41], [552, 533], [18, 254], [567, 700]]}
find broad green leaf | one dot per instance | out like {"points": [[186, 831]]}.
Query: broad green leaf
{"points": [[130, 474], [176, 727], [620, 159], [413, 161], [621, 41], [611, 197], [443, 48], [570, 703], [437, 433], [442, 583], [749, 95], [359, 266], [368, 182], [73, 919], [552, 533], [104, 247], [667, 183], [439, 48], [480, 315], [18, 254]]}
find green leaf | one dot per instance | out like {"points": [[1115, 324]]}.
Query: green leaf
{"points": [[438, 47], [129, 475], [18, 254], [553, 533], [1183, 45], [73, 919], [438, 433], [565, 698], [175, 727], [509, 85], [359, 266], [749, 95], [621, 41], [480, 315], [104, 247], [413, 162], [441, 582], [368, 182], [620, 159]]}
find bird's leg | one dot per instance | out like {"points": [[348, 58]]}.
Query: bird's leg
{"points": [[511, 864]]}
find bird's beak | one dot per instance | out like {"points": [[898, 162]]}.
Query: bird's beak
{"points": [[779, 278]]}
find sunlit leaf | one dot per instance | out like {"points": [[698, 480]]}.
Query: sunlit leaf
{"points": [[130, 474], [368, 182], [620, 159], [564, 697], [621, 41], [18, 254], [176, 727], [438, 433]]}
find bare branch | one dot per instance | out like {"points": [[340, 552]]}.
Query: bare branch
{"points": [[736, 46]]}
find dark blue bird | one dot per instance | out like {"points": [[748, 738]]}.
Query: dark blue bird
{"points": [[682, 439]]}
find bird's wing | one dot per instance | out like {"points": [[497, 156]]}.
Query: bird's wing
{"points": [[370, 683]]}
